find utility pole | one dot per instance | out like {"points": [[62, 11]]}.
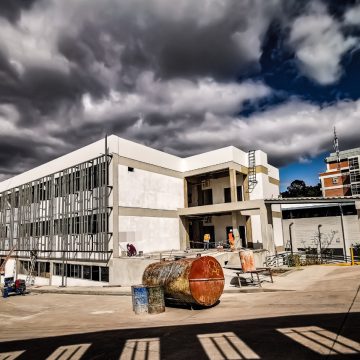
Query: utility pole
{"points": [[336, 148], [319, 234]]}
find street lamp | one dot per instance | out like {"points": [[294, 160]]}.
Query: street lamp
{"points": [[290, 234], [342, 230]]}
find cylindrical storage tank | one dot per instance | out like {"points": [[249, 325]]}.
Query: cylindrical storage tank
{"points": [[140, 299], [247, 260], [156, 299], [197, 281]]}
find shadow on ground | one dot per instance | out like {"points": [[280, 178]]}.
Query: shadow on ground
{"points": [[294, 337]]}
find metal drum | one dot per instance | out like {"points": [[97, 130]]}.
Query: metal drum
{"points": [[247, 260], [197, 281], [140, 299], [156, 299]]}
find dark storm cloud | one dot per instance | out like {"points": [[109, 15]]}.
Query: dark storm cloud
{"points": [[164, 74], [11, 9], [17, 156], [180, 47]]}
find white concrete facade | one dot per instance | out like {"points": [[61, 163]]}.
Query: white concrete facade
{"points": [[149, 198]]}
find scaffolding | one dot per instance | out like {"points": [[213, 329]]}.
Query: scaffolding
{"points": [[63, 213]]}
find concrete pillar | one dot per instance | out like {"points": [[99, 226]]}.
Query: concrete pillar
{"points": [[51, 272], [186, 202], [233, 185], [184, 233], [248, 229], [246, 188], [357, 207], [267, 228], [234, 221], [114, 201]]}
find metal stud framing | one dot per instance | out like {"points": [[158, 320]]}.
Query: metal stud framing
{"points": [[62, 213]]}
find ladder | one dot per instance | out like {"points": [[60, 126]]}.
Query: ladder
{"points": [[2, 267], [30, 277], [251, 171]]}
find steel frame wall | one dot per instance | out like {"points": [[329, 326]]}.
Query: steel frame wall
{"points": [[63, 213]]}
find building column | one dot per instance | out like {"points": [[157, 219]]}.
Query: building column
{"points": [[246, 194], [233, 196], [357, 207], [186, 202], [267, 228], [233, 185], [248, 226], [184, 233], [248, 230], [234, 221], [51, 272]]}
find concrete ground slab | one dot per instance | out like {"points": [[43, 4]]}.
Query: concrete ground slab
{"points": [[271, 324]]}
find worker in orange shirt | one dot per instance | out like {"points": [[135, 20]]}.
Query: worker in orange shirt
{"points": [[231, 240], [206, 241]]}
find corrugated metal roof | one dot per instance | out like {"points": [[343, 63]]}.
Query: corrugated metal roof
{"points": [[343, 154], [309, 200]]}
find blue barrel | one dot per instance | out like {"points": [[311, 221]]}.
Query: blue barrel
{"points": [[140, 299]]}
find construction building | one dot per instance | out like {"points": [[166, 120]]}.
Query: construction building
{"points": [[342, 175], [79, 212]]}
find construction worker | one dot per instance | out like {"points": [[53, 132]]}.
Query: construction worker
{"points": [[131, 250], [231, 240], [206, 241]]}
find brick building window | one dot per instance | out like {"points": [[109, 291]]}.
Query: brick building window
{"points": [[354, 163], [355, 176], [335, 180]]}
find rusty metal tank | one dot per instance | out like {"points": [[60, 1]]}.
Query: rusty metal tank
{"points": [[247, 260], [197, 281]]}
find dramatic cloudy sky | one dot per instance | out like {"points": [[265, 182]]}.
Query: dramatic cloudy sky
{"points": [[182, 76]]}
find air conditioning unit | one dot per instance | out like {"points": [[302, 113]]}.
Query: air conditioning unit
{"points": [[205, 184], [207, 220]]}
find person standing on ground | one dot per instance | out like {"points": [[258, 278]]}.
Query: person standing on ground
{"points": [[206, 241], [231, 240]]}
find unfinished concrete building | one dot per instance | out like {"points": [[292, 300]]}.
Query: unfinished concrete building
{"points": [[78, 212]]}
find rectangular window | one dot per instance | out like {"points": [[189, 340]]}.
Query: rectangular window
{"points": [[355, 189], [87, 272], [95, 273], [354, 163], [355, 176], [239, 193], [44, 269], [24, 267], [75, 271], [104, 273], [57, 269], [227, 195], [207, 197]]}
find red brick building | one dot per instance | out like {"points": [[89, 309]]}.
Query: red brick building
{"points": [[341, 178]]}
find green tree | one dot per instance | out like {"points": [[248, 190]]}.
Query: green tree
{"points": [[298, 188]]}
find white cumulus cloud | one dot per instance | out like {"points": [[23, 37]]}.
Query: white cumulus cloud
{"points": [[319, 45]]}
